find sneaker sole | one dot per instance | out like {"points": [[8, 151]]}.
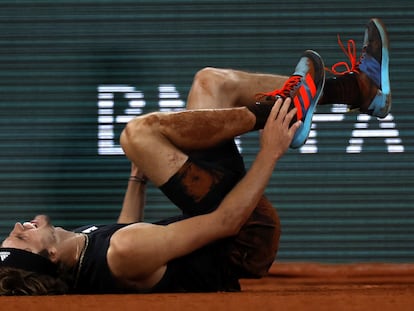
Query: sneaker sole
{"points": [[381, 104], [303, 131]]}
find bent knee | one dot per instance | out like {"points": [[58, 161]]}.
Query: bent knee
{"points": [[138, 129], [212, 80]]}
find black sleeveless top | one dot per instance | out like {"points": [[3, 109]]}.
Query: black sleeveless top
{"points": [[205, 270]]}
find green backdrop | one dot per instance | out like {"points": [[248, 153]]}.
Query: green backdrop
{"points": [[73, 72]]}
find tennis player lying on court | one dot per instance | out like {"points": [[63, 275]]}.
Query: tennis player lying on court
{"points": [[227, 230]]}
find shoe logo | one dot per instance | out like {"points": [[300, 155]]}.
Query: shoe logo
{"points": [[4, 255], [304, 96]]}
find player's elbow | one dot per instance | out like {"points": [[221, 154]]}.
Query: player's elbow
{"points": [[231, 223]]}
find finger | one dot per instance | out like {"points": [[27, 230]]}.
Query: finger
{"points": [[295, 126], [292, 113], [285, 108], [275, 110]]}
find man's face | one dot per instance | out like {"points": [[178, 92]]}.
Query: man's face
{"points": [[34, 236]]}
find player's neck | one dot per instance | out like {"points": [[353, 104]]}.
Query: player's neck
{"points": [[70, 247]]}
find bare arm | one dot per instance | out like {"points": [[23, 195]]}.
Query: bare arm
{"points": [[139, 251], [134, 199]]}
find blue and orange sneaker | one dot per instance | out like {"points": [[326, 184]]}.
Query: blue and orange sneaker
{"points": [[372, 70], [305, 88], [375, 63]]}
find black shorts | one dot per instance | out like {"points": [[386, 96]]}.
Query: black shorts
{"points": [[205, 179], [199, 187]]}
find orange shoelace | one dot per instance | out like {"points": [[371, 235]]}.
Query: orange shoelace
{"points": [[283, 92], [350, 52]]}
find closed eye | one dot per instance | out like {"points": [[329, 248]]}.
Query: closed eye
{"points": [[21, 237]]}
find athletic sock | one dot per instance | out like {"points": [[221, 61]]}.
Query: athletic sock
{"points": [[342, 89], [262, 110]]}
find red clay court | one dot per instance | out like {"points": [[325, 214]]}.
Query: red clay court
{"points": [[292, 287]]}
